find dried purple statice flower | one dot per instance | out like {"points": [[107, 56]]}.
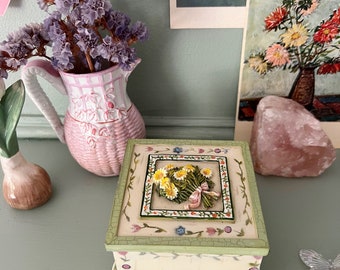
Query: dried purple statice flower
{"points": [[85, 36], [139, 31], [63, 56], [27, 42], [94, 10], [44, 4], [117, 52], [64, 6]]}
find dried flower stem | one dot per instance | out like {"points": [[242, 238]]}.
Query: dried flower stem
{"points": [[89, 61]]}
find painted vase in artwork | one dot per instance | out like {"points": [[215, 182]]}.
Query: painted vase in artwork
{"points": [[303, 88]]}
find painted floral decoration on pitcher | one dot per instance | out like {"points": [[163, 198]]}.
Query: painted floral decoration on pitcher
{"points": [[90, 107]]}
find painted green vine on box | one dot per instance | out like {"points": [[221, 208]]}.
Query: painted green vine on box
{"points": [[130, 185]]}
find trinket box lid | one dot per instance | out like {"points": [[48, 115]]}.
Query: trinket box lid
{"points": [[144, 218]]}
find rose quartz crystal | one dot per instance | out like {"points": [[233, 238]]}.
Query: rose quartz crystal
{"points": [[287, 140]]}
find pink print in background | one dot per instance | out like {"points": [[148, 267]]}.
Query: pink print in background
{"points": [[3, 6]]}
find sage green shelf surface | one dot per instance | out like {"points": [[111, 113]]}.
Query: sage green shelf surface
{"points": [[69, 231]]}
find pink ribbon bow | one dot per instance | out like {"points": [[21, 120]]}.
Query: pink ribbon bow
{"points": [[195, 197]]}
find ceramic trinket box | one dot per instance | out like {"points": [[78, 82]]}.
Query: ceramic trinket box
{"points": [[183, 203]]}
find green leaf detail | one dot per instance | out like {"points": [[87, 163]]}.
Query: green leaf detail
{"points": [[10, 110], [241, 233], [3, 148]]}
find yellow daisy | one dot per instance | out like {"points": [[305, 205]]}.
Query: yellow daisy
{"points": [[159, 175], [169, 167], [295, 36], [181, 174], [164, 182], [206, 172], [171, 191], [189, 168]]}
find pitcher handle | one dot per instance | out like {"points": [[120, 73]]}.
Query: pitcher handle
{"points": [[44, 69]]}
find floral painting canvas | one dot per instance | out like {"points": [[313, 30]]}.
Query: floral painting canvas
{"points": [[291, 49]]}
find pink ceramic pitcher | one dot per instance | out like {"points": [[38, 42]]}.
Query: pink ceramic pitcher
{"points": [[100, 117]]}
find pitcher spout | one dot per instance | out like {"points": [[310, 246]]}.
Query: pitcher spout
{"points": [[127, 72]]}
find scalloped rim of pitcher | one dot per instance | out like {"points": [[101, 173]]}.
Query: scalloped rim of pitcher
{"points": [[114, 67]]}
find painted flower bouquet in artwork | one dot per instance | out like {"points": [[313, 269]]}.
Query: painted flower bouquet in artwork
{"points": [[300, 46], [186, 183]]}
